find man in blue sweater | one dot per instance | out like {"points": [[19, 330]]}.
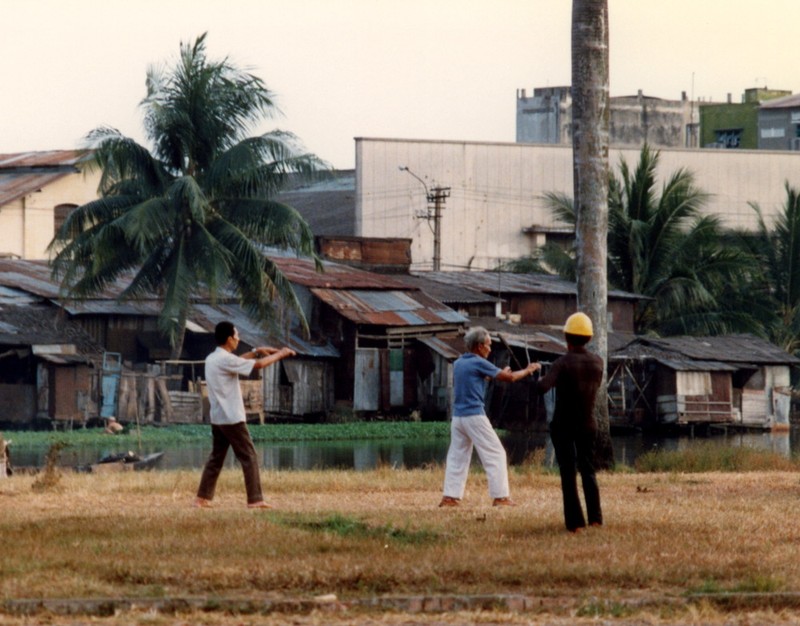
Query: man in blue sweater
{"points": [[469, 425]]}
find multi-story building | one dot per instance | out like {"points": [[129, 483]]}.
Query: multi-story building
{"points": [[546, 117], [37, 192], [735, 124], [779, 124]]}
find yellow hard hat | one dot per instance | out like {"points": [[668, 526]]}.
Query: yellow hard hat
{"points": [[579, 324]]}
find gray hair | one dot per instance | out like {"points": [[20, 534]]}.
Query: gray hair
{"points": [[475, 336]]}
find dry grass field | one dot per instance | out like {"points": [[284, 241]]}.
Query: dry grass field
{"points": [[344, 547]]}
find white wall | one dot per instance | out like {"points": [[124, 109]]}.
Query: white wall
{"points": [[497, 188]]}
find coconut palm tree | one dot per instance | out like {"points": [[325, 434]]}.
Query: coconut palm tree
{"points": [[196, 212], [590, 121], [777, 249], [662, 247]]}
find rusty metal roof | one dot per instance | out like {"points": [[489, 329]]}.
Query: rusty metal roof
{"points": [[509, 282], [35, 277], [14, 186], [728, 349], [302, 271], [26, 172], [43, 159], [388, 308]]}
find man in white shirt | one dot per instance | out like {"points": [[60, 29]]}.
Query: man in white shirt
{"points": [[228, 418]]}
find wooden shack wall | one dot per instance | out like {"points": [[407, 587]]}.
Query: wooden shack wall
{"points": [[298, 387], [69, 392], [757, 397], [117, 333], [540, 309], [690, 397], [18, 402], [435, 391], [554, 309]]}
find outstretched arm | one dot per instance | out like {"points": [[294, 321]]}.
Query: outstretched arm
{"points": [[260, 352], [506, 375], [267, 356]]}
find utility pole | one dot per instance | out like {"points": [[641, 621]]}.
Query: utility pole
{"points": [[437, 196]]}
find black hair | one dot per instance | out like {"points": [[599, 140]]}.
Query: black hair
{"points": [[222, 331], [577, 340]]}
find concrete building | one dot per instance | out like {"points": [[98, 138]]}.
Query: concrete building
{"points": [[779, 124], [496, 211], [37, 192], [733, 125], [546, 117]]}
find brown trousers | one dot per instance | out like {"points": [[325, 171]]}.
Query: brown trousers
{"points": [[235, 436]]}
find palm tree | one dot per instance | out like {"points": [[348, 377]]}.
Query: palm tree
{"points": [[196, 212], [590, 121], [778, 252], [660, 246]]}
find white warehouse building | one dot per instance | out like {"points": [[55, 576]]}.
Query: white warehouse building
{"points": [[494, 210]]}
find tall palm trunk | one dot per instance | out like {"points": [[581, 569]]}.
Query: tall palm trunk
{"points": [[590, 117]]}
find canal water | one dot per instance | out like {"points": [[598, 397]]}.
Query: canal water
{"points": [[365, 455]]}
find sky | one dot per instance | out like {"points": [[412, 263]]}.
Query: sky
{"points": [[340, 69]]}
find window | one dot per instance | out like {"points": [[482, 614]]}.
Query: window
{"points": [[729, 138], [60, 214], [693, 383]]}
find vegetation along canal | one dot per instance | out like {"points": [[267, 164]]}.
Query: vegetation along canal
{"points": [[358, 446]]}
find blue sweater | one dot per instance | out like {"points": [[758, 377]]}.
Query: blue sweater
{"points": [[470, 372]]}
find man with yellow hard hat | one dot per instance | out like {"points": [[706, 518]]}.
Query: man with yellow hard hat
{"points": [[576, 377]]}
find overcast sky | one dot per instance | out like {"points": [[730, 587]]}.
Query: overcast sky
{"points": [[415, 69]]}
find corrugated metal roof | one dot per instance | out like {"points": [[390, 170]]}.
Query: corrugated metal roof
{"points": [[43, 325], [388, 308], [14, 186], [328, 205], [208, 316], [335, 276], [26, 172], [787, 102], [35, 277], [690, 365], [42, 158], [508, 282], [112, 307], [728, 348], [450, 349], [446, 292]]}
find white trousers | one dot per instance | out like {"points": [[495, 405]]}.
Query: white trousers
{"points": [[477, 431]]}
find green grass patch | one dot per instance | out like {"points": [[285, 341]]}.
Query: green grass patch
{"points": [[710, 456], [757, 583], [350, 527], [200, 433]]}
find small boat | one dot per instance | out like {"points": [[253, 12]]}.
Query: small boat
{"points": [[124, 462]]}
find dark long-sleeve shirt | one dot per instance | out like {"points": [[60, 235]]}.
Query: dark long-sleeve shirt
{"points": [[576, 377]]}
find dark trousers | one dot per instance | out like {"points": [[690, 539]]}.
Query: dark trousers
{"points": [[577, 451], [235, 436]]}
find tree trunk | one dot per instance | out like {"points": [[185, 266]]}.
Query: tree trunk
{"points": [[590, 120], [179, 336]]}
